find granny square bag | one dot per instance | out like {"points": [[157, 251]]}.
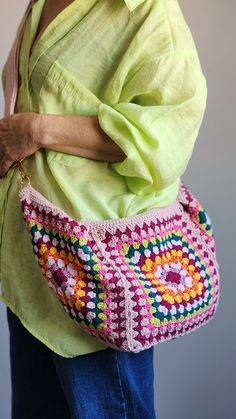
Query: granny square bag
{"points": [[131, 282]]}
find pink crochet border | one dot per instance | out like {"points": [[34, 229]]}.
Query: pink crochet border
{"points": [[32, 195]]}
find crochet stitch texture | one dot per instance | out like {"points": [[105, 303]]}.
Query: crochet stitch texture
{"points": [[130, 282]]}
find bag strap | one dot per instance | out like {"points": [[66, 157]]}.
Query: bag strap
{"points": [[12, 76], [12, 66]]}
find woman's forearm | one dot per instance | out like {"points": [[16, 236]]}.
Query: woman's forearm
{"points": [[78, 135], [23, 133]]}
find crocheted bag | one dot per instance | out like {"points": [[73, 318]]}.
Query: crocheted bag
{"points": [[130, 282]]}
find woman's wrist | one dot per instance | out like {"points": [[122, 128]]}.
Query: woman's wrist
{"points": [[39, 129], [53, 131]]}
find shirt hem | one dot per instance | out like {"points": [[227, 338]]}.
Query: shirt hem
{"points": [[39, 337]]}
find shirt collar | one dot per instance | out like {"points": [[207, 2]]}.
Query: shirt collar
{"points": [[132, 4]]}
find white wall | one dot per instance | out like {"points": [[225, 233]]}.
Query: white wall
{"points": [[195, 375]]}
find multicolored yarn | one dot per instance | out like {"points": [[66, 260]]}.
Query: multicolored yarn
{"points": [[130, 282]]}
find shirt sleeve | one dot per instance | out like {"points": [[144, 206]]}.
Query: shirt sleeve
{"points": [[157, 120]]}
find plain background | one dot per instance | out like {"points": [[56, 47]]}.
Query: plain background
{"points": [[195, 375]]}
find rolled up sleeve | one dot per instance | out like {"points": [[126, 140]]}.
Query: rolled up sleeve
{"points": [[157, 120]]}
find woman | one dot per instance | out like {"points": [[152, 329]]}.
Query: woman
{"points": [[110, 101]]}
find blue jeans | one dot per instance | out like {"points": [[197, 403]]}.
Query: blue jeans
{"points": [[107, 384]]}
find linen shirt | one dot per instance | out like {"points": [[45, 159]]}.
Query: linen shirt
{"points": [[135, 65]]}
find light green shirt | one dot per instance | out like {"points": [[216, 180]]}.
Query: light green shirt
{"points": [[134, 64]]}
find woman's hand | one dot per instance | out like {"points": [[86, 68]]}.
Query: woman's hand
{"points": [[19, 138]]}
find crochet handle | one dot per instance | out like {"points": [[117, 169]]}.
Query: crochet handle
{"points": [[25, 180], [11, 88], [12, 82]]}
